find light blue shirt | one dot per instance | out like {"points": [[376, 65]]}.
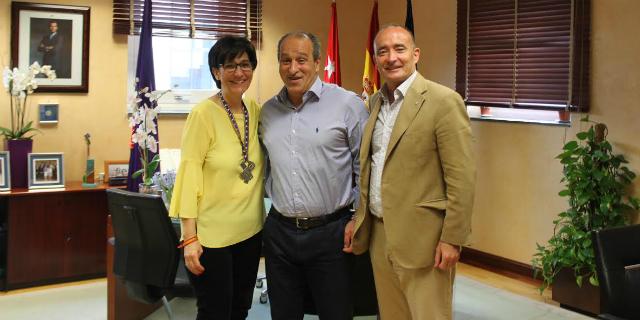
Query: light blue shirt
{"points": [[313, 150]]}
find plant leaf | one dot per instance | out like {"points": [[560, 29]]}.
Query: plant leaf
{"points": [[136, 174]]}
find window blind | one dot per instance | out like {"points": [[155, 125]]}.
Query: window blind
{"points": [[524, 53], [204, 19]]}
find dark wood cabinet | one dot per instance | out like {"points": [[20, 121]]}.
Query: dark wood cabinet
{"points": [[54, 236]]}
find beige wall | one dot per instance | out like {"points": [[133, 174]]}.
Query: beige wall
{"points": [[518, 177], [100, 112]]}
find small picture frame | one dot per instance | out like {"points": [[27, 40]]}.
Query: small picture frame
{"points": [[5, 172], [46, 170], [48, 112], [116, 172]]}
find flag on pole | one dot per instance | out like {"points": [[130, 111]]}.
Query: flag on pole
{"points": [[332, 66], [370, 76], [146, 78], [408, 22]]}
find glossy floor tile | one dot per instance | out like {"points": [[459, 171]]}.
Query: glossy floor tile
{"points": [[473, 300]]}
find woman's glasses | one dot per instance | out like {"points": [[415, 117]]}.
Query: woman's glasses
{"points": [[231, 67]]}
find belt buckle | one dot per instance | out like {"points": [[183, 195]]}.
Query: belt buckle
{"points": [[302, 226]]}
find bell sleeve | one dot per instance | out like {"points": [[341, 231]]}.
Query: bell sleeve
{"points": [[196, 140]]}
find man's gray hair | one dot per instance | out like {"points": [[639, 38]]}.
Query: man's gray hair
{"points": [[301, 34]]}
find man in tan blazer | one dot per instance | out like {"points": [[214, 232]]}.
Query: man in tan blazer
{"points": [[417, 185]]}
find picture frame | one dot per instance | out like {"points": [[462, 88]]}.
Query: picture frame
{"points": [[116, 172], [46, 170], [48, 113], [5, 171], [56, 35]]}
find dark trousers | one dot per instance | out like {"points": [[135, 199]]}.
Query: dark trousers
{"points": [[225, 289], [303, 261]]}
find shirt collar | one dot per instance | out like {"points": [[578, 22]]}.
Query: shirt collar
{"points": [[316, 89], [402, 89]]}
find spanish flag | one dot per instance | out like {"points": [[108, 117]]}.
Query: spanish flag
{"points": [[332, 66], [370, 76]]}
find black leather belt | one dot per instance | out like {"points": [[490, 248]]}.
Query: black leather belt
{"points": [[305, 223]]}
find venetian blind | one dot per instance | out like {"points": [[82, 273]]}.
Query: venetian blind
{"points": [[524, 53], [204, 19]]}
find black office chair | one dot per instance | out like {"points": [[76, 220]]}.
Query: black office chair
{"points": [[146, 256], [618, 264]]}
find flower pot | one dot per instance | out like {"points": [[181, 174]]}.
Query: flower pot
{"points": [[485, 111], [584, 299], [19, 149], [564, 116], [152, 189]]}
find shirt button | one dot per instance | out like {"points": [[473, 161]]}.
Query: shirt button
{"points": [[294, 173], [293, 131]]}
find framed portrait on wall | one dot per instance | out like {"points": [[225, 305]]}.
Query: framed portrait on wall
{"points": [[55, 35], [46, 170], [5, 172]]}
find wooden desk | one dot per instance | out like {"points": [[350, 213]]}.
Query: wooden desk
{"points": [[52, 235]]}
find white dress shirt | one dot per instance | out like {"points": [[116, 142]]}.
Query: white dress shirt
{"points": [[380, 140]]}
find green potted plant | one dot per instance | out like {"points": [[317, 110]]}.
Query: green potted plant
{"points": [[20, 83], [596, 182]]}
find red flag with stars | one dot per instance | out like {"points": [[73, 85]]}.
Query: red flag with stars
{"points": [[332, 65]]}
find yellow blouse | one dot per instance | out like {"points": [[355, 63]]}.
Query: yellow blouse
{"points": [[208, 185]]}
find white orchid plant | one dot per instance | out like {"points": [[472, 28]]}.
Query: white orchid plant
{"points": [[143, 116], [20, 83]]}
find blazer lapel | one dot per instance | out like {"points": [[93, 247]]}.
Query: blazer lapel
{"points": [[365, 147], [412, 103]]}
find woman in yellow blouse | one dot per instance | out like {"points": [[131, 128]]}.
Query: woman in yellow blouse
{"points": [[218, 194]]}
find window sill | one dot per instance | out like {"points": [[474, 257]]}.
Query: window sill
{"points": [[536, 117]]}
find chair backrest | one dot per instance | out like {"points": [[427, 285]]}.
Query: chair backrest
{"points": [[146, 256], [617, 251]]}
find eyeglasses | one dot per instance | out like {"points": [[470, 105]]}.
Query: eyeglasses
{"points": [[232, 67]]}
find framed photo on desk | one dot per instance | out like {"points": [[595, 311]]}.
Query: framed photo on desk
{"points": [[5, 172], [116, 172], [46, 170]]}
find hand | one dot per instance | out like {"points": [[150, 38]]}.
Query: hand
{"points": [[348, 236], [192, 253], [447, 256]]}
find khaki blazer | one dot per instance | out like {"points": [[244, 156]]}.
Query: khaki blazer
{"points": [[428, 179]]}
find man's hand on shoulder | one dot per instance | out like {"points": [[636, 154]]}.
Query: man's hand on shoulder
{"points": [[447, 255]]}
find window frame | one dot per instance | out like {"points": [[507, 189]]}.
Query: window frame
{"points": [[201, 19], [578, 77], [174, 102]]}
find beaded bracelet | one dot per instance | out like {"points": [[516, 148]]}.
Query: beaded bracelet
{"points": [[187, 242]]}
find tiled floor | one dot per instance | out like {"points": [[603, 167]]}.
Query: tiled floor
{"points": [[473, 300]]}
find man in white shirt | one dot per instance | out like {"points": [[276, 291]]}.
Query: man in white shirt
{"points": [[417, 185]]}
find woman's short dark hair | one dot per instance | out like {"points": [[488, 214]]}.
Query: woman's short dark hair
{"points": [[228, 48]]}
